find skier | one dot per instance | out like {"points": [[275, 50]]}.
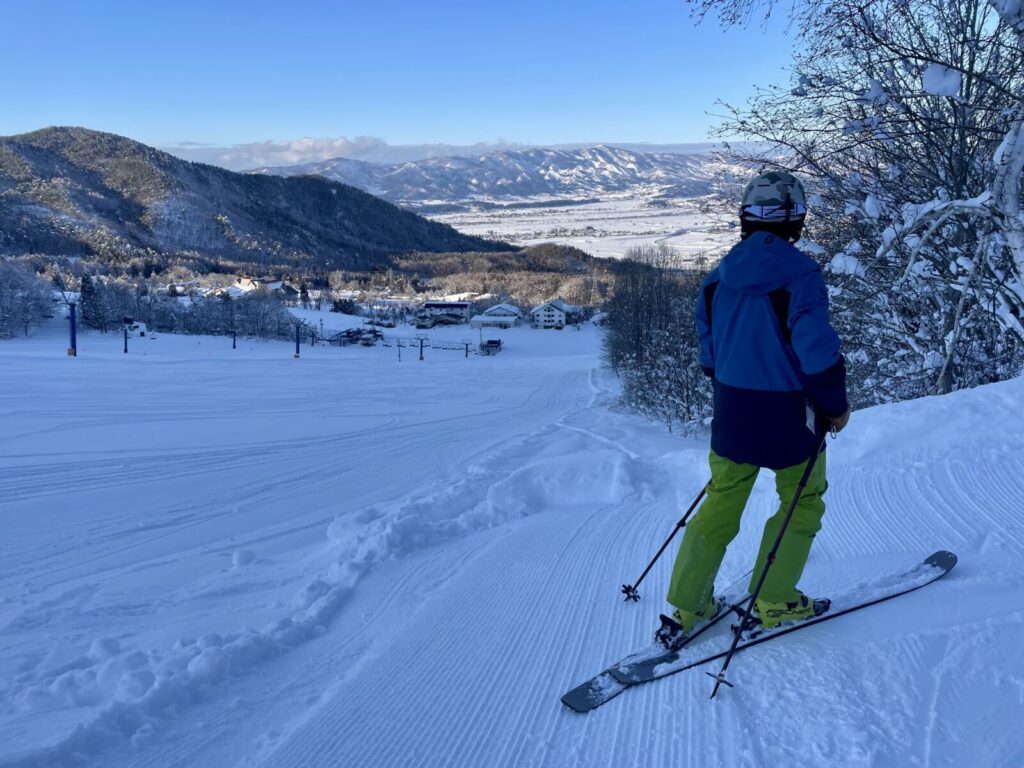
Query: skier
{"points": [[779, 382]]}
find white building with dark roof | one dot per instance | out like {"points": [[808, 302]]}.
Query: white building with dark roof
{"points": [[463, 309], [556, 313]]}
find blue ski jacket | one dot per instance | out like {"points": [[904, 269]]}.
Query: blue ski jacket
{"points": [[766, 341]]}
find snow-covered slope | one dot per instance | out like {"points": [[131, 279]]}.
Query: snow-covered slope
{"points": [[580, 173], [234, 558]]}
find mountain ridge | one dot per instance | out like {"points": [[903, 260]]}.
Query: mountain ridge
{"points": [[515, 174], [75, 191], [309, 149]]}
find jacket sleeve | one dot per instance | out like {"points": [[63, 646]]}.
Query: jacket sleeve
{"points": [[707, 345], [817, 345]]}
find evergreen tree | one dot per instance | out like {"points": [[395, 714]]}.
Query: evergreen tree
{"points": [[92, 305]]}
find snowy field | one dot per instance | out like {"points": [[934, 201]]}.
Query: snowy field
{"points": [[217, 557], [608, 228]]}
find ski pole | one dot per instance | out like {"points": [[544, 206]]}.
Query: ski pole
{"points": [[811, 461], [630, 591]]}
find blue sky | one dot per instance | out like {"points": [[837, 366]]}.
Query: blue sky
{"points": [[409, 72]]}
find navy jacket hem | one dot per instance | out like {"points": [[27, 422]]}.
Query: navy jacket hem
{"points": [[764, 428]]}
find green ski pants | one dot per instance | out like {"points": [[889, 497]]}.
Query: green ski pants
{"points": [[717, 522]]}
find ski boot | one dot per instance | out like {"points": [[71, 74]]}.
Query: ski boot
{"points": [[768, 615], [675, 630]]}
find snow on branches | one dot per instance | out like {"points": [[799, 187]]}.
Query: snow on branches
{"points": [[940, 80], [907, 120]]}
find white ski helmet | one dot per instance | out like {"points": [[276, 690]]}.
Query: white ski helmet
{"points": [[775, 196]]}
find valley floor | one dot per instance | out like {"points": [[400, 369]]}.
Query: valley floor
{"points": [[607, 228], [217, 557]]}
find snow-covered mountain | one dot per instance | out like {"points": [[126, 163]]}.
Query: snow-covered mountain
{"points": [[588, 172]]}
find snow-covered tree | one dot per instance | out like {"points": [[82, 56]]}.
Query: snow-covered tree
{"points": [[25, 300], [651, 339], [907, 115]]}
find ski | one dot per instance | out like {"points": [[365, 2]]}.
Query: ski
{"points": [[605, 685], [633, 670], [598, 690]]}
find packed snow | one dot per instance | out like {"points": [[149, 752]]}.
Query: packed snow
{"points": [[218, 557]]}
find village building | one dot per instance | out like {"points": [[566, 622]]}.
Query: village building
{"points": [[498, 316], [264, 283], [504, 310], [493, 321], [463, 309], [556, 313], [183, 289], [244, 285], [232, 291], [448, 318], [443, 318], [253, 284]]}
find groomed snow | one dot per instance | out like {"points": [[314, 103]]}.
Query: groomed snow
{"points": [[217, 557]]}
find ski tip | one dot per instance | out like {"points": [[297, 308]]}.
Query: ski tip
{"points": [[942, 559], [578, 701], [593, 693], [572, 706]]}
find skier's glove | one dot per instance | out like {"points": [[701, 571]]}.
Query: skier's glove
{"points": [[841, 421]]}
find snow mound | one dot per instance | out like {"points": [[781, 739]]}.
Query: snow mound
{"points": [[532, 477], [242, 557]]}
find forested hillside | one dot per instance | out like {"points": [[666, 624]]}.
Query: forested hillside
{"points": [[73, 191]]}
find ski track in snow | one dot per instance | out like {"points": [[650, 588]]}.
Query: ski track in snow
{"points": [[364, 563]]}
